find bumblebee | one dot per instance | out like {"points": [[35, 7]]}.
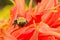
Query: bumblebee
{"points": [[20, 22]]}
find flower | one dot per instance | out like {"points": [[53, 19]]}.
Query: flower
{"points": [[43, 23]]}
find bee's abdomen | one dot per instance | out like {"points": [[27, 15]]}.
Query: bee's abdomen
{"points": [[21, 24]]}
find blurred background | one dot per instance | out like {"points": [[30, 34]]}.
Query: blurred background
{"points": [[5, 6]]}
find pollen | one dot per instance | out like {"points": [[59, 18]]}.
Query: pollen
{"points": [[53, 10]]}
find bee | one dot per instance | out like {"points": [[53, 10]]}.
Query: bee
{"points": [[20, 22]]}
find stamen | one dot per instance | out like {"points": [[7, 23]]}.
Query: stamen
{"points": [[12, 2], [36, 26], [34, 23], [53, 10], [30, 4], [35, 35]]}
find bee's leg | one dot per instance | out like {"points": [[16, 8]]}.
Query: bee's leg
{"points": [[15, 22], [27, 23], [14, 26]]}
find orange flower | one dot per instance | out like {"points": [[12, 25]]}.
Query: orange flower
{"points": [[44, 21]]}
